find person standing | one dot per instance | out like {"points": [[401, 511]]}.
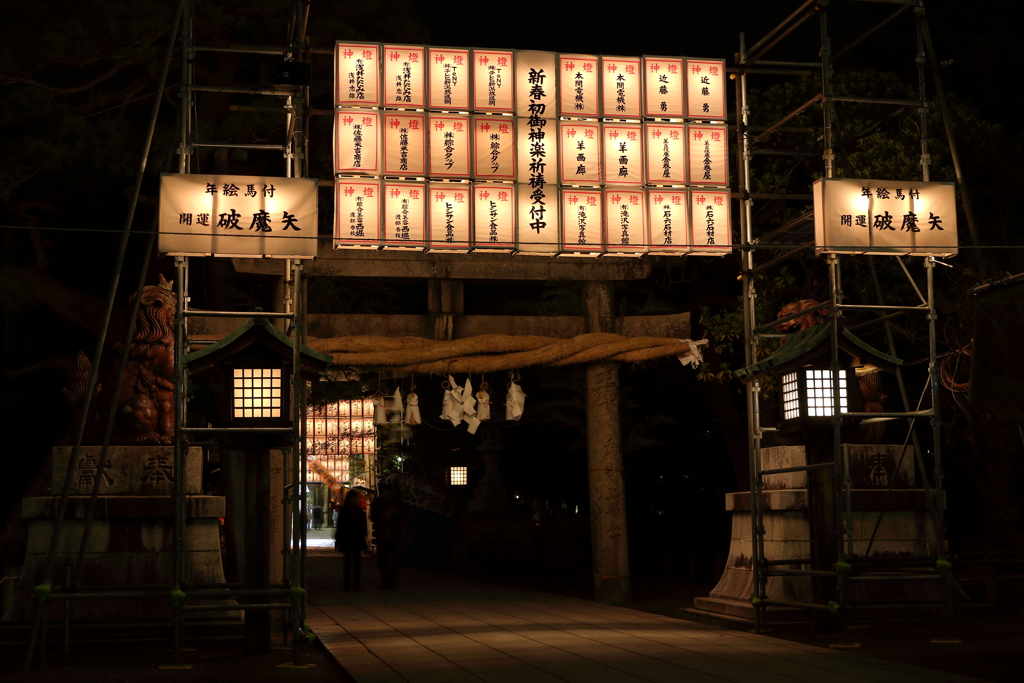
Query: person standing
{"points": [[386, 513], [350, 538]]}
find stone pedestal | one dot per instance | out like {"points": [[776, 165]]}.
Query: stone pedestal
{"points": [[905, 531], [131, 542]]}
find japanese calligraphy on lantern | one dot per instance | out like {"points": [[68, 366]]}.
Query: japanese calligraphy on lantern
{"points": [[357, 214], [494, 216], [404, 76], [228, 215], [705, 89], [625, 220], [666, 153], [404, 215], [536, 83], [623, 154], [536, 219], [449, 146], [884, 217], [580, 159], [405, 144], [356, 142], [663, 78], [709, 220], [494, 148], [669, 221], [707, 155], [449, 78], [580, 77], [356, 75], [493, 81], [582, 228], [450, 211], [621, 84]]}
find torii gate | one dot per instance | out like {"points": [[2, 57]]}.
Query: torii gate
{"points": [[596, 337]]}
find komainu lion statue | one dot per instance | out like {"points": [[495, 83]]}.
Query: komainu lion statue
{"points": [[145, 397]]}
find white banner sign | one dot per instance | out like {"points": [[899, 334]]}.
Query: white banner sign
{"points": [[664, 87], [580, 78], [227, 215], [708, 155], [357, 213], [580, 159], [449, 146], [450, 209], [625, 222], [623, 154], [405, 215], [404, 76], [405, 144], [885, 217], [537, 224], [494, 149], [493, 81], [582, 224], [356, 142], [669, 221], [705, 89], [357, 75], [711, 233], [449, 78], [666, 153], [621, 87], [494, 216]]}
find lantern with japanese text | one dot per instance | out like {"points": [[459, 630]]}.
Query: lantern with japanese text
{"points": [[884, 217]]}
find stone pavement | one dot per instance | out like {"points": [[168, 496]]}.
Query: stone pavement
{"points": [[438, 629]]}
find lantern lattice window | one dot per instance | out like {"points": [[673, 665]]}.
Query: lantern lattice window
{"points": [[257, 392]]}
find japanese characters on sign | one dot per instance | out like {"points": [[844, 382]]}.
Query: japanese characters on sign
{"points": [[496, 118], [494, 145], [708, 155], [623, 154], [666, 153], [885, 217], [582, 226], [405, 144], [357, 75], [356, 142], [669, 220], [705, 89], [404, 76], [536, 83], [663, 78], [580, 77], [494, 216], [710, 232], [357, 213], [580, 160], [625, 220], [450, 214], [449, 78], [621, 85], [493, 81], [404, 215], [229, 215], [449, 146]]}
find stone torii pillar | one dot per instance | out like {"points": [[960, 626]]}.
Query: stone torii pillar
{"points": [[604, 457]]}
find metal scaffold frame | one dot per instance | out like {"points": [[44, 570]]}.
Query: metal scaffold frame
{"points": [[292, 593], [847, 564]]}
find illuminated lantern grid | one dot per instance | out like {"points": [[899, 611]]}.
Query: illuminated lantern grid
{"points": [[573, 85], [341, 437]]}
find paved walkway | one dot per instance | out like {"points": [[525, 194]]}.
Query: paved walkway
{"points": [[452, 630]]}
